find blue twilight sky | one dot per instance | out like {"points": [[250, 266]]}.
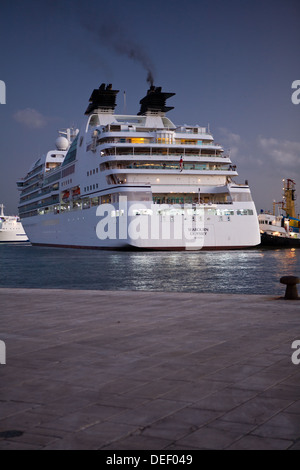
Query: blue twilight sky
{"points": [[231, 64]]}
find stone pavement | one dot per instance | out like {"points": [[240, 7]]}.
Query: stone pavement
{"points": [[144, 370]]}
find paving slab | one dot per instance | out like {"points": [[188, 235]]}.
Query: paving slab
{"points": [[122, 370]]}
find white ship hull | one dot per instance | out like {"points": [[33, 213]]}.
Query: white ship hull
{"points": [[136, 182], [12, 232], [80, 229]]}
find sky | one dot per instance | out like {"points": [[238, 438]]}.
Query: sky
{"points": [[231, 63]]}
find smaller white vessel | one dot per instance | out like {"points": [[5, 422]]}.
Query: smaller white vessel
{"points": [[11, 229]]}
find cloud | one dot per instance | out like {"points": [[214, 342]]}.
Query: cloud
{"points": [[283, 153], [30, 118], [232, 143], [229, 137]]}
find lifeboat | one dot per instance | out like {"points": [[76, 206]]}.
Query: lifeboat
{"points": [[76, 192]]}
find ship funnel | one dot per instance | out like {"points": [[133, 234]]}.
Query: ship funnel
{"points": [[155, 102], [102, 99]]}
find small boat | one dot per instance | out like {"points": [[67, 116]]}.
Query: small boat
{"points": [[11, 229], [283, 229]]}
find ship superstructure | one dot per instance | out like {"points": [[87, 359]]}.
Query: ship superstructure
{"points": [[136, 181]]}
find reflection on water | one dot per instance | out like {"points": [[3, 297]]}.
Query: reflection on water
{"points": [[255, 271]]}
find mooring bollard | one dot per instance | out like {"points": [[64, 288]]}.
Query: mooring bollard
{"points": [[291, 282]]}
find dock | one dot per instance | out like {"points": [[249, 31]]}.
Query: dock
{"points": [[123, 370]]}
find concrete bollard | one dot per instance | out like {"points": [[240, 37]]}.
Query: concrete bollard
{"points": [[291, 282]]}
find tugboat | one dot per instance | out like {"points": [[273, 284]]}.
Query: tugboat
{"points": [[283, 229]]}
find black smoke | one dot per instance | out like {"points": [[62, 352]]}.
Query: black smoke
{"points": [[112, 34], [101, 22]]}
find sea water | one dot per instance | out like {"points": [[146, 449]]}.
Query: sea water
{"points": [[254, 271]]}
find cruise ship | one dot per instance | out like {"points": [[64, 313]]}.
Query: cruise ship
{"points": [[11, 229], [136, 182]]}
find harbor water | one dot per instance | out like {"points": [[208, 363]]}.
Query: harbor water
{"points": [[254, 271]]}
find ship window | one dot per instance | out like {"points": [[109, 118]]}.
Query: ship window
{"points": [[71, 155], [244, 212], [241, 197], [94, 201], [94, 121], [106, 199], [68, 171], [139, 140]]}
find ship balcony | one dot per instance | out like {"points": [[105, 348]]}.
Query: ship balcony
{"points": [[20, 184], [153, 146], [31, 189], [170, 178], [160, 158], [207, 201], [34, 172], [38, 194], [28, 182], [23, 208], [154, 141], [30, 197], [151, 135], [168, 168]]}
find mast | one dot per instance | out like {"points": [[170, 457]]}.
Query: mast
{"points": [[289, 195], [280, 204]]}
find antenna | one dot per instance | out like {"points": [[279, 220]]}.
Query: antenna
{"points": [[124, 102]]}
